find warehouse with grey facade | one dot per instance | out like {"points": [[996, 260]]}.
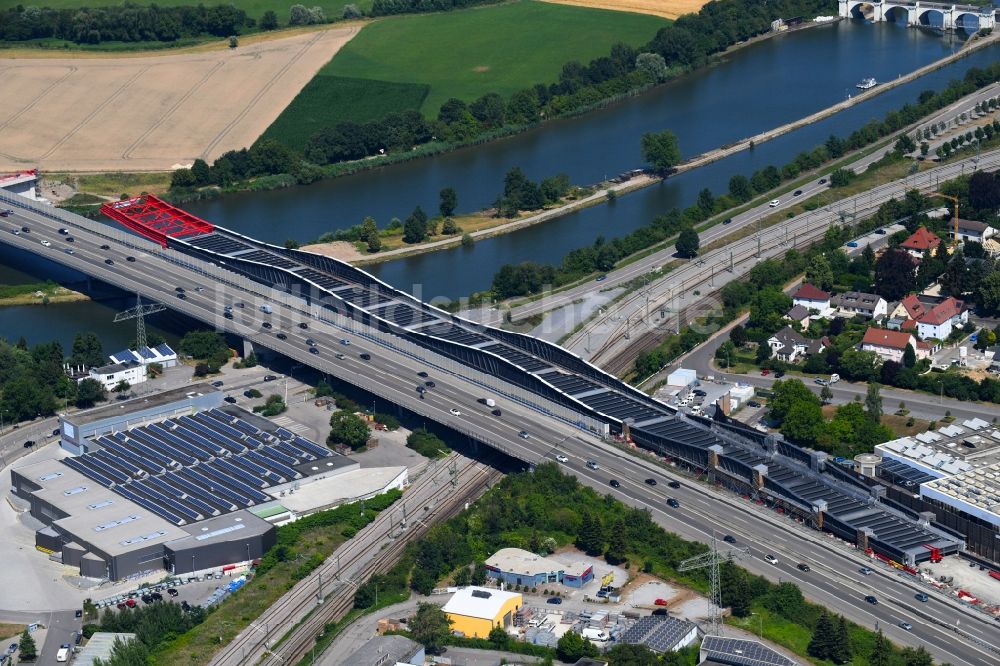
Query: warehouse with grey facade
{"points": [[172, 482]]}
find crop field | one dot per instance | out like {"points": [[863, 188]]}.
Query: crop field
{"points": [[152, 113], [500, 48], [328, 96], [665, 8], [254, 8]]}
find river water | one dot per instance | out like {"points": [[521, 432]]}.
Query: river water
{"points": [[754, 89]]}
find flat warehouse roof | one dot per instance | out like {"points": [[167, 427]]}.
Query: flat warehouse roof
{"points": [[128, 407]]}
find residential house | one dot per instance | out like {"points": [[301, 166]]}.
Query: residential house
{"points": [[109, 375], [890, 345], [789, 345], [970, 230], [931, 316], [851, 303], [942, 319], [798, 315], [919, 242], [811, 298]]}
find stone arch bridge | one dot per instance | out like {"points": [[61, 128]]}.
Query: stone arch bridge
{"points": [[946, 16]]}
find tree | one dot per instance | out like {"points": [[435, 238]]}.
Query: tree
{"points": [[414, 230], [498, 637], [430, 627], [351, 12], [627, 654], [917, 657], [894, 275], [122, 386], [201, 172], [88, 392], [764, 352], [881, 654], [479, 574], [573, 647], [449, 227], [449, 201], [660, 150], [841, 177], [590, 537], [739, 188], [87, 350], [349, 429], [841, 652], [617, 543], [819, 273], [468, 240], [909, 356], [652, 65], [861, 366], [738, 335], [269, 21], [824, 638], [182, 178], [826, 394], [126, 653], [688, 242], [735, 588], [873, 403], [29, 651], [803, 423], [234, 41]]}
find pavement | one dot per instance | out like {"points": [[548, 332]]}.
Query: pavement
{"points": [[391, 374]]}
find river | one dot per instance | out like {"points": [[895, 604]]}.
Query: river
{"points": [[755, 88]]}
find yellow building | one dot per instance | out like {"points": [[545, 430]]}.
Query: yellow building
{"points": [[475, 611]]}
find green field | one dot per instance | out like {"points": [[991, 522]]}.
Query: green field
{"points": [[329, 97], [254, 8], [500, 48]]}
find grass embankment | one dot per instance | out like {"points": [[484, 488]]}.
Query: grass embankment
{"points": [[463, 54], [8, 630], [300, 548], [113, 184], [41, 293]]}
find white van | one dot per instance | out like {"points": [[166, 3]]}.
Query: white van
{"points": [[63, 654], [834, 378], [774, 203]]}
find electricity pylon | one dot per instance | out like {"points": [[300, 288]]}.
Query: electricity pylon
{"points": [[712, 559], [139, 313]]}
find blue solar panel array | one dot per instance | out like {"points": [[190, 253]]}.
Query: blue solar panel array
{"points": [[197, 466]]}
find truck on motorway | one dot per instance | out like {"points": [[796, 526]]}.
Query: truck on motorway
{"points": [[266, 308]]}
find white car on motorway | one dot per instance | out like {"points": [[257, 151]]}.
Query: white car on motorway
{"points": [[46, 243], [774, 203], [561, 458], [455, 412], [770, 559]]}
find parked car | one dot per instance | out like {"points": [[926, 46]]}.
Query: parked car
{"points": [[270, 378], [753, 403], [660, 602], [554, 600], [230, 399], [765, 372], [172, 591]]}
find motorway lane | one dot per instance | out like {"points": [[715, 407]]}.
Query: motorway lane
{"points": [[394, 377]]}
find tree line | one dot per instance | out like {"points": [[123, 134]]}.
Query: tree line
{"points": [[546, 509], [122, 23]]}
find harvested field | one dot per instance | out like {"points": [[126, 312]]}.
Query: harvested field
{"points": [[153, 112], [667, 8]]}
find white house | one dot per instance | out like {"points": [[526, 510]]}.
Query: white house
{"points": [[891, 345], [851, 303], [788, 345], [942, 319], [161, 354], [110, 375], [970, 230], [811, 298]]}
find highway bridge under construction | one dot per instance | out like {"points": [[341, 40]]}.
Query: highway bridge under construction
{"points": [[332, 300]]}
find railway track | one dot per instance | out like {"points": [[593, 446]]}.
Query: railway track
{"points": [[449, 484], [299, 642]]}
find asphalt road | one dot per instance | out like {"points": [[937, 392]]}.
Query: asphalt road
{"points": [[393, 376], [920, 405]]}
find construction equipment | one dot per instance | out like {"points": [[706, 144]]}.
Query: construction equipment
{"points": [[139, 313], [954, 238], [712, 559]]}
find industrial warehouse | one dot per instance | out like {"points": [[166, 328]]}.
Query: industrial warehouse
{"points": [[180, 482]]}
